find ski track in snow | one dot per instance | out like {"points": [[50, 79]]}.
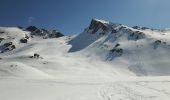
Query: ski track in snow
{"points": [[134, 91]]}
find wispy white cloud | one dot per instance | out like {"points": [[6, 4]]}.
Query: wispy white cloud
{"points": [[30, 19]]}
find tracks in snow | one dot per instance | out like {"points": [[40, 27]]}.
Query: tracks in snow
{"points": [[136, 91]]}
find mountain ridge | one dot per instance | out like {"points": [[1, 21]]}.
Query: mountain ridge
{"points": [[105, 62], [101, 40]]}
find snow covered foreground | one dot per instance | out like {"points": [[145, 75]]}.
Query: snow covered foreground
{"points": [[83, 68]]}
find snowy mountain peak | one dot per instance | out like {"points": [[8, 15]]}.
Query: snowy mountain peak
{"points": [[12, 38], [101, 21], [98, 26], [100, 29], [100, 40], [43, 32], [105, 62]]}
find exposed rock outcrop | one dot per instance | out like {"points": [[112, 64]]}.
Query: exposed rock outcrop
{"points": [[98, 26], [7, 47], [43, 32], [23, 40], [55, 34]]}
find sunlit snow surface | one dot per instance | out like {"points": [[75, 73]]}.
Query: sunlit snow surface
{"points": [[142, 73]]}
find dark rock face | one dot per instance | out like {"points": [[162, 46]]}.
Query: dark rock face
{"points": [[24, 40], [122, 28], [131, 34], [20, 27], [144, 28], [27, 37], [136, 35], [160, 43], [1, 39], [13, 47], [136, 27], [117, 45], [7, 44], [36, 55], [2, 32], [114, 31], [39, 32], [96, 25], [43, 32], [157, 43], [115, 52], [31, 28], [118, 51], [140, 28], [55, 34], [7, 47], [164, 43]]}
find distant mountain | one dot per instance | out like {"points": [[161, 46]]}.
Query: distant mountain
{"points": [[100, 28], [11, 37], [147, 48], [43, 32], [107, 61], [119, 44]]}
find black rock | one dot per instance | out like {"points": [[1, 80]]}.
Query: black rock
{"points": [[1, 32], [7, 44], [117, 45], [44, 30], [136, 27], [144, 28], [140, 28], [55, 34], [6, 49], [32, 36], [36, 55], [27, 37], [20, 27], [37, 31], [136, 35], [24, 40], [1, 39], [13, 47], [164, 43], [118, 50], [122, 28], [114, 31], [31, 28], [157, 43], [96, 25]]}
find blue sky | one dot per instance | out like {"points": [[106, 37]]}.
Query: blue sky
{"points": [[72, 16]]}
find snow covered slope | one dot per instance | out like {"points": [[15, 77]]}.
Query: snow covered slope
{"points": [[105, 62], [11, 37], [148, 49]]}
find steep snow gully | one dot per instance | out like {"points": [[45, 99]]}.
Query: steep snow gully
{"points": [[106, 61]]}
